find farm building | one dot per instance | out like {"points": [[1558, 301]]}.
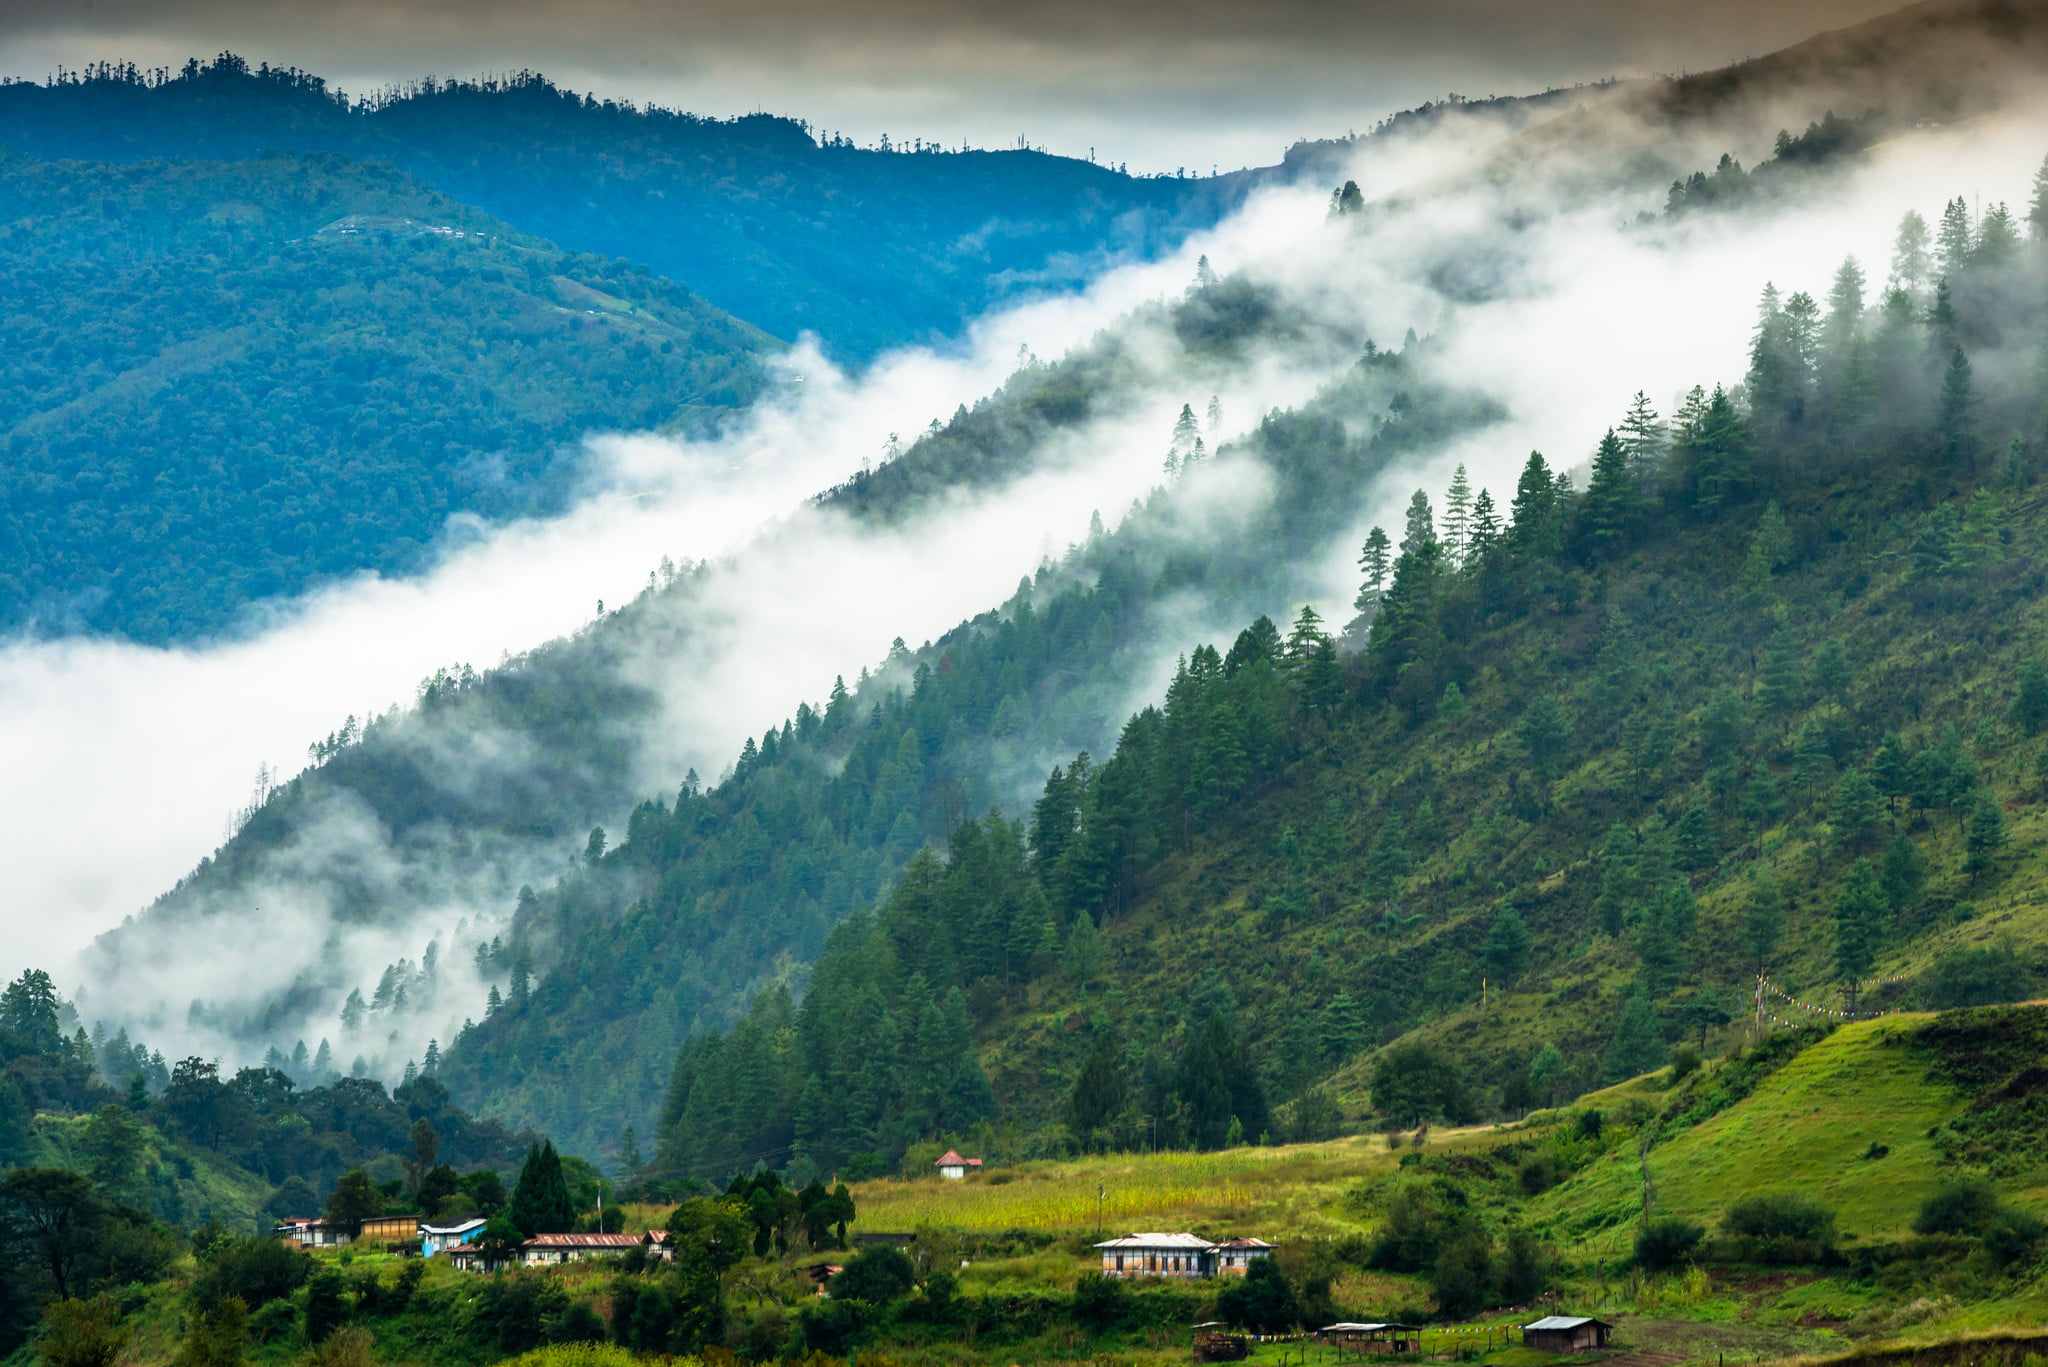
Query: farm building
{"points": [[546, 1249], [1566, 1333], [389, 1229], [953, 1167], [1375, 1339], [1233, 1257], [308, 1233], [1179, 1255], [439, 1238]]}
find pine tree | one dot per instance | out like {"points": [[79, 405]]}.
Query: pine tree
{"points": [[1458, 516], [1374, 561], [1763, 921], [1610, 502], [1986, 835], [1911, 264], [1099, 1095], [1643, 437], [1832, 672], [1903, 874], [1855, 812], [1859, 923], [2037, 208], [1637, 1045], [1618, 856], [2029, 710], [1507, 946], [1485, 533], [1958, 422], [540, 1202], [1845, 309], [1998, 239], [1954, 240]]}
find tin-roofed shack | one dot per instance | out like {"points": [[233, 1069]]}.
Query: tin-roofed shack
{"points": [[1375, 1339], [1215, 1343], [1566, 1333]]}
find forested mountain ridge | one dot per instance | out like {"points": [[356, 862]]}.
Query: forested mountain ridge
{"points": [[1758, 711], [222, 382], [868, 248]]}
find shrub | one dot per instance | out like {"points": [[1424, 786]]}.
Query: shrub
{"points": [[80, 1333], [1661, 1244], [2012, 1235], [513, 1308], [1589, 1123], [1537, 1176], [1262, 1301], [1463, 1280], [326, 1306], [876, 1275], [1974, 977], [1966, 1207], [1685, 1061], [257, 1270], [1099, 1301], [348, 1346], [1779, 1228]]}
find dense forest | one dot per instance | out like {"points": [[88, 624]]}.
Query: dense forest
{"points": [[869, 248], [1752, 712], [223, 382]]}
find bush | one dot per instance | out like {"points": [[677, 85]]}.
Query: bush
{"points": [[1685, 1061], [1525, 1268], [2012, 1235], [1975, 977], [876, 1275], [326, 1306], [1966, 1207], [80, 1333], [1414, 1083], [1779, 1228], [1589, 1123], [1463, 1280], [1099, 1301], [1537, 1176], [829, 1327], [1666, 1243], [257, 1270], [513, 1309], [1262, 1300]]}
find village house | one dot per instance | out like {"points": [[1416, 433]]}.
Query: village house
{"points": [[439, 1238], [1566, 1333], [1179, 1255], [309, 1233], [953, 1167], [1234, 1256], [389, 1229], [544, 1250]]}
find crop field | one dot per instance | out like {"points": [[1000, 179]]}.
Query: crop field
{"points": [[1296, 1188]]}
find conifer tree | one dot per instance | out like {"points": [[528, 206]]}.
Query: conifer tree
{"points": [[1763, 921], [540, 1202], [1458, 517], [1099, 1094], [1958, 422], [1859, 923], [1911, 264], [1610, 502], [1987, 834], [1485, 533], [1954, 240], [1904, 872], [2037, 207], [1637, 1046]]}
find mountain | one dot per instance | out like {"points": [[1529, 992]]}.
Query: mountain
{"points": [[1754, 717], [867, 248], [231, 381], [479, 808]]}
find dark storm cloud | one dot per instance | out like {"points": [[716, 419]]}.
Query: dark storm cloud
{"points": [[1157, 85]]}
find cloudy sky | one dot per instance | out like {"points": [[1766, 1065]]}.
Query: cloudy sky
{"points": [[1208, 83]]}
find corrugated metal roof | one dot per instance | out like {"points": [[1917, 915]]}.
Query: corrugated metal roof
{"points": [[1565, 1322], [462, 1227], [1363, 1328], [1178, 1243], [621, 1241]]}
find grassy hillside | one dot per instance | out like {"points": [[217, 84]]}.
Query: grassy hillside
{"points": [[221, 382]]}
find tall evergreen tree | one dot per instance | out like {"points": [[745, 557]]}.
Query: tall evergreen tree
{"points": [[541, 1203]]}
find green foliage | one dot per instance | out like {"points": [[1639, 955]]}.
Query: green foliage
{"points": [[1975, 977], [1413, 1083], [1099, 1301], [353, 347], [876, 1275], [82, 1333], [1778, 1228], [1666, 1243], [254, 1271], [540, 1201], [1262, 1301], [215, 1336], [354, 1199]]}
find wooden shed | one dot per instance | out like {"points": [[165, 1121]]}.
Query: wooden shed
{"points": [[1372, 1340], [1566, 1333], [1215, 1343]]}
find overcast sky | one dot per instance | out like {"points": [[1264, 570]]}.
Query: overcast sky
{"points": [[1157, 85]]}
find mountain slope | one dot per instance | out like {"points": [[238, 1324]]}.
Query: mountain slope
{"points": [[869, 249], [230, 381], [1762, 698]]}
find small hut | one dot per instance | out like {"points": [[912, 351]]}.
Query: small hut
{"points": [[1372, 1340], [1566, 1333], [1215, 1343]]}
